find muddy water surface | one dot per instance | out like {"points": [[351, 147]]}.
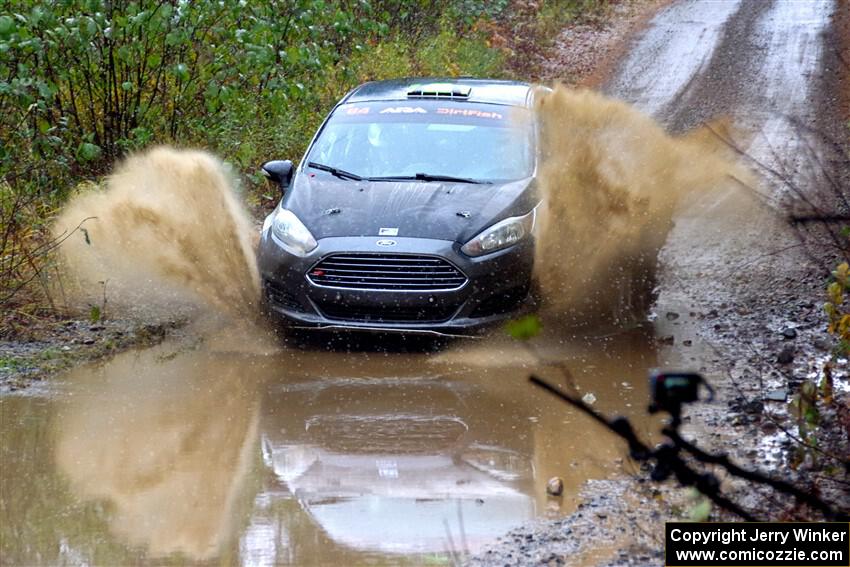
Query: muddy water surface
{"points": [[200, 451]]}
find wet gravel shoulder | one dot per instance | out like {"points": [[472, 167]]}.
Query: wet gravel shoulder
{"points": [[50, 347], [604, 525]]}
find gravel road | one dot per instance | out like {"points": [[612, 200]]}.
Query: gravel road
{"points": [[739, 288]]}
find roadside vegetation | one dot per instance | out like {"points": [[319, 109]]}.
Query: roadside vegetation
{"points": [[85, 82]]}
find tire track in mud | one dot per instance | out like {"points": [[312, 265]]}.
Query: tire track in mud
{"points": [[723, 74], [665, 58]]}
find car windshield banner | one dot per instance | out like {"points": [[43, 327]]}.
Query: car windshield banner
{"points": [[430, 111]]}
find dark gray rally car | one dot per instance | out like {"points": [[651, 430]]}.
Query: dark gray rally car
{"points": [[412, 210]]}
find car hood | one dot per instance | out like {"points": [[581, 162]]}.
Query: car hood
{"points": [[446, 211]]}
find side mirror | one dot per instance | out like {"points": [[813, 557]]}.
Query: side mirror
{"points": [[279, 171]]}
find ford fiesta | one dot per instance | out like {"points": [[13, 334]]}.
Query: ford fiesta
{"points": [[412, 210]]}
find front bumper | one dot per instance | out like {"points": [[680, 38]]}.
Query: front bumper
{"points": [[497, 287]]}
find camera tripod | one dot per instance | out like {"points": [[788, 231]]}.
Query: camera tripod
{"points": [[670, 392]]}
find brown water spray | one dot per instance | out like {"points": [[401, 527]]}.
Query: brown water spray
{"points": [[611, 179], [167, 229]]}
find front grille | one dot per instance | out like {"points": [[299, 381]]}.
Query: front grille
{"points": [[394, 434], [393, 272], [389, 313]]}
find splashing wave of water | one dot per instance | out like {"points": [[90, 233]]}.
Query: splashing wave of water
{"points": [[167, 227], [611, 179]]}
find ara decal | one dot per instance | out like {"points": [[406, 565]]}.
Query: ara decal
{"points": [[404, 110]]}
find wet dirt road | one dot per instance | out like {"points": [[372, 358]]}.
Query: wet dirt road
{"points": [[198, 451], [767, 68]]}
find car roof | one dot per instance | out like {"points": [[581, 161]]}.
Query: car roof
{"points": [[513, 93]]}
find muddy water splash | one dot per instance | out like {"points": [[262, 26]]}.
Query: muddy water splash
{"points": [[168, 228], [611, 179]]}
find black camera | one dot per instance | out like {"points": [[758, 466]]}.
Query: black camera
{"points": [[670, 390]]}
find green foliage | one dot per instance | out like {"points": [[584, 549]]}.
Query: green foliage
{"points": [[700, 506], [84, 81], [447, 54], [837, 309], [806, 404], [468, 12], [804, 408], [838, 324], [8, 361], [524, 328]]}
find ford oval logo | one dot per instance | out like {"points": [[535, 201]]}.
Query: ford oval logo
{"points": [[386, 242]]}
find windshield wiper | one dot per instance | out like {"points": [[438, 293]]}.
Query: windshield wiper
{"points": [[335, 171], [428, 177]]}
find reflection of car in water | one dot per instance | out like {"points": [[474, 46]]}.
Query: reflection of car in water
{"points": [[413, 209], [328, 458], [395, 470]]}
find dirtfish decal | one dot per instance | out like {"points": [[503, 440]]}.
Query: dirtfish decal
{"points": [[469, 112]]}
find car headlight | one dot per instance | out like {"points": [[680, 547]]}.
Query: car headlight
{"points": [[292, 233], [501, 235]]}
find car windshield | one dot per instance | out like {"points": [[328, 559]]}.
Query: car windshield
{"points": [[428, 138]]}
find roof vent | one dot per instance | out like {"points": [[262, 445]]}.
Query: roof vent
{"points": [[439, 90]]}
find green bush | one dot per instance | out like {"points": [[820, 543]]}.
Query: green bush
{"points": [[85, 81]]}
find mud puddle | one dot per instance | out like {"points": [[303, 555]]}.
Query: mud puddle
{"points": [[203, 451]]}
